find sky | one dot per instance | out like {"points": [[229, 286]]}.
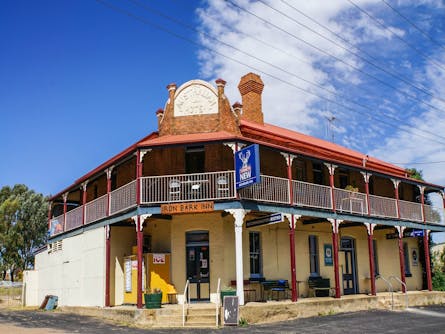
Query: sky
{"points": [[81, 80]]}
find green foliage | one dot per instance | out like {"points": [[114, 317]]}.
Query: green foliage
{"points": [[23, 226], [438, 270], [415, 173], [243, 322]]}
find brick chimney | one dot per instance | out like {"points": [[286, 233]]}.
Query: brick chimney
{"points": [[251, 86]]}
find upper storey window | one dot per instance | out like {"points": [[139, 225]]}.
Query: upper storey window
{"points": [[194, 159]]}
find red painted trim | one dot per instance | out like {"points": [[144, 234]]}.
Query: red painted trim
{"points": [[292, 260], [289, 177], [402, 263], [371, 263], [368, 205], [107, 265], [396, 195], [427, 261], [336, 271], [108, 194], [84, 201], [331, 183], [139, 238], [138, 177], [65, 209]]}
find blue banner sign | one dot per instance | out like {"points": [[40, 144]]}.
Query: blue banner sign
{"points": [[247, 166], [417, 233], [328, 259], [270, 219]]}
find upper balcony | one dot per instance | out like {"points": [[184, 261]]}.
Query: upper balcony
{"points": [[220, 186]]}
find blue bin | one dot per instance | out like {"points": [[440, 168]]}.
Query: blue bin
{"points": [[52, 303]]}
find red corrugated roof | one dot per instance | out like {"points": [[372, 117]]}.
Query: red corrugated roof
{"points": [[188, 138]]}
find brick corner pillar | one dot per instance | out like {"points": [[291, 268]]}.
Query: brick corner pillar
{"points": [[107, 264], [238, 215], [335, 223], [400, 230], [370, 230], [331, 169]]}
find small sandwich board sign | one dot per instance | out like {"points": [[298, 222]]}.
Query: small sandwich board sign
{"points": [[231, 310]]}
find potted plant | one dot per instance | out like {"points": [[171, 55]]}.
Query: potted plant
{"points": [[353, 189], [153, 298], [227, 291]]}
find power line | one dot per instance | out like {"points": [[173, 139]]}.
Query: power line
{"points": [[333, 92], [410, 96], [396, 35], [162, 28], [418, 163], [414, 25], [391, 73]]}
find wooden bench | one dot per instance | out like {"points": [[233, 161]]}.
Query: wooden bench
{"points": [[275, 286], [248, 291], [320, 287]]}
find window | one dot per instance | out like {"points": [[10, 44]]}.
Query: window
{"points": [[406, 258], [313, 256], [255, 254], [194, 159], [376, 261], [343, 179], [317, 170], [300, 168]]}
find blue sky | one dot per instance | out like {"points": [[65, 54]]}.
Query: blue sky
{"points": [[80, 81]]}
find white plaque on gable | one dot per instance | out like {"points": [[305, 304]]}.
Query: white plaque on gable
{"points": [[196, 98]]}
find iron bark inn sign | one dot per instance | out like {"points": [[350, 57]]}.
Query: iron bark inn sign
{"points": [[247, 166], [195, 207]]}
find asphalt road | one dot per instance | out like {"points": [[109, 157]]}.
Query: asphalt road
{"points": [[419, 321]]}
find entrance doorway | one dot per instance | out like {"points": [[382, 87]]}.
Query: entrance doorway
{"points": [[349, 267], [198, 264]]}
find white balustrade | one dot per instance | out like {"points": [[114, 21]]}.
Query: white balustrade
{"points": [[74, 218], [312, 195], [431, 215], [187, 187], [123, 198], [382, 206], [96, 209], [270, 189], [350, 201], [410, 211]]}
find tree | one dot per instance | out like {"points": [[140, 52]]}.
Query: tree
{"points": [[23, 227]]}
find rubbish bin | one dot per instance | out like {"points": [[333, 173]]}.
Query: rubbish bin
{"points": [[52, 303]]}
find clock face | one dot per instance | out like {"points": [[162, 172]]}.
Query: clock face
{"points": [[196, 99]]}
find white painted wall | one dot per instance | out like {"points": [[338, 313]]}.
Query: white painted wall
{"points": [[31, 287], [76, 274]]}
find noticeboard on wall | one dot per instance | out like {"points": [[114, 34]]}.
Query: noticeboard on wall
{"points": [[328, 260]]}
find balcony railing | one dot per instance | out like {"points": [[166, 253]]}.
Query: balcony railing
{"points": [[271, 189], [410, 211], [383, 206], [350, 201], [156, 190], [123, 198], [74, 218], [187, 187], [312, 195], [96, 209]]}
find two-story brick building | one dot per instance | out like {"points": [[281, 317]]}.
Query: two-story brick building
{"points": [[173, 195]]}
